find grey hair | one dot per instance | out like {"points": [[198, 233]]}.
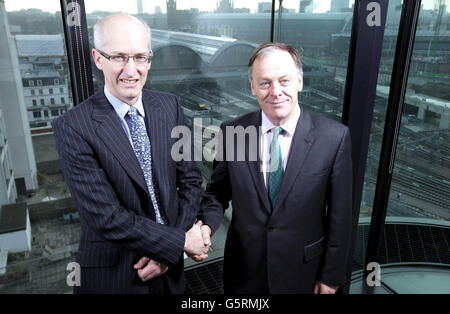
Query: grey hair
{"points": [[268, 48], [98, 28]]}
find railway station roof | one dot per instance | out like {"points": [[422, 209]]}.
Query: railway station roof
{"points": [[179, 50]]}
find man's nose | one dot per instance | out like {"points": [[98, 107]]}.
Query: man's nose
{"points": [[130, 67], [276, 89]]}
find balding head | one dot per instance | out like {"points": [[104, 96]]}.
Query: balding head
{"points": [[117, 36], [111, 23]]}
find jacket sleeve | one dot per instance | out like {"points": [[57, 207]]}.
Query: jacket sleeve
{"points": [[217, 196], [339, 215], [189, 185], [100, 208]]}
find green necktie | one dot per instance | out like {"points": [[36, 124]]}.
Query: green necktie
{"points": [[275, 167]]}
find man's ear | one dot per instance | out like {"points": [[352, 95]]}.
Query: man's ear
{"points": [[300, 83], [253, 89], [96, 56]]}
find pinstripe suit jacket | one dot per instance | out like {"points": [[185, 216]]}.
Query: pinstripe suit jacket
{"points": [[108, 187]]}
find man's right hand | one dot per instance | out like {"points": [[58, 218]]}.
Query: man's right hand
{"points": [[206, 234], [195, 243]]}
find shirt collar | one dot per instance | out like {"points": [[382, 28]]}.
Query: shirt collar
{"points": [[121, 107], [289, 126]]}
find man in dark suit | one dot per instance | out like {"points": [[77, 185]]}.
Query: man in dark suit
{"points": [[137, 204], [291, 221]]}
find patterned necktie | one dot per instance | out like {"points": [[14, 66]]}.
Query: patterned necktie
{"points": [[275, 167], [142, 149]]}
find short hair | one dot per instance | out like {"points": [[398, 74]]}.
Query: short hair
{"points": [[98, 31], [266, 48]]}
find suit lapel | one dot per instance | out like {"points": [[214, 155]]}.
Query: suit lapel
{"points": [[110, 131], [255, 166], [158, 135], [300, 147]]}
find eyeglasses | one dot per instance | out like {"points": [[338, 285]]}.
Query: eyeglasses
{"points": [[123, 59]]}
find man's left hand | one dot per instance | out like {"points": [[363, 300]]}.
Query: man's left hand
{"points": [[206, 234], [148, 269], [320, 288]]}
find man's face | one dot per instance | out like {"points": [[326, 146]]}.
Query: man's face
{"points": [[123, 36], [276, 83]]}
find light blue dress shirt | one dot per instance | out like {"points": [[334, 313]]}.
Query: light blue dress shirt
{"points": [[122, 108]]}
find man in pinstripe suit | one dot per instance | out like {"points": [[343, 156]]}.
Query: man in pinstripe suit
{"points": [[136, 220]]}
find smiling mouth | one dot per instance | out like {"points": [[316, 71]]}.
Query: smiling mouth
{"points": [[129, 81]]}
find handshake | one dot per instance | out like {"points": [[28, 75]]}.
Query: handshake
{"points": [[196, 245], [198, 241]]}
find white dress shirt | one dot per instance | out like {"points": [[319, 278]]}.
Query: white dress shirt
{"points": [[285, 140]]}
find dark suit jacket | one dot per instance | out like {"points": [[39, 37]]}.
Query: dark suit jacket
{"points": [[306, 236], [108, 187]]}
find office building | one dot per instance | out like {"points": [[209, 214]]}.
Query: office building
{"points": [[14, 113]]}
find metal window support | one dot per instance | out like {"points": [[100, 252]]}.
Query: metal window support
{"points": [[78, 50], [366, 45], [402, 60], [272, 21]]}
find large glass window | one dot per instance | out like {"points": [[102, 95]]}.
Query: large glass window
{"points": [[421, 181], [416, 229], [201, 52], [321, 31], [377, 129], [422, 167], [36, 241]]}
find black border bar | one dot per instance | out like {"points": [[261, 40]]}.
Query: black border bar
{"points": [[402, 60]]}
